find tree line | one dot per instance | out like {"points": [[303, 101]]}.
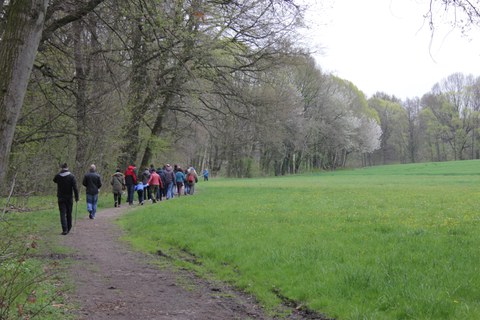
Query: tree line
{"points": [[206, 83]]}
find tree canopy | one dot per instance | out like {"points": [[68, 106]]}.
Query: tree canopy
{"points": [[208, 83]]}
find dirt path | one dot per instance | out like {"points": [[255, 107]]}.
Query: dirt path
{"points": [[114, 282]]}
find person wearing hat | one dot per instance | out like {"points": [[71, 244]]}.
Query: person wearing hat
{"points": [[93, 183], [66, 185]]}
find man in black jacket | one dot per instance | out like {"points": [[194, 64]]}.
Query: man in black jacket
{"points": [[66, 184], [93, 183]]}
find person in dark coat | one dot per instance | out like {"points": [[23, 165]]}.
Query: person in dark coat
{"points": [[147, 194], [170, 181], [92, 183], [162, 193], [130, 182], [66, 186]]}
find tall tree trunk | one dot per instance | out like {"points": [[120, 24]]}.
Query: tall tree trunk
{"points": [[18, 48], [81, 156], [137, 107], [157, 129]]}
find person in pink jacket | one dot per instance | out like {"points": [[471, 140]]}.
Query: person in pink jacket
{"points": [[155, 183]]}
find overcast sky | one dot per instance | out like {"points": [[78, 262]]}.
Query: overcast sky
{"points": [[385, 45]]}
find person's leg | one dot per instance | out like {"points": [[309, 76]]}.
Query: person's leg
{"points": [[156, 191], [149, 193], [145, 193], [128, 194], [170, 190], [131, 192], [69, 207], [119, 198], [179, 188], [192, 189], [89, 205], [94, 205], [62, 207]]}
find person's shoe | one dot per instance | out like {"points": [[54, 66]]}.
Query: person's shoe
{"points": [[115, 205], [64, 233], [119, 206], [90, 216]]}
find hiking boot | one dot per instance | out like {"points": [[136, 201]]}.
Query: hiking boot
{"points": [[115, 205]]}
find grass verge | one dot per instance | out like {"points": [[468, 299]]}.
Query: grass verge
{"points": [[392, 242]]}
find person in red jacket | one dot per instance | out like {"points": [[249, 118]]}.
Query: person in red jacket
{"points": [[130, 182], [155, 183]]}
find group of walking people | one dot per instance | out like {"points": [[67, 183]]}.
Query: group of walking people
{"points": [[67, 188], [150, 184]]}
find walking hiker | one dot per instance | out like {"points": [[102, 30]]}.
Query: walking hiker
{"points": [[155, 183], [169, 180], [180, 178], [205, 174], [93, 183], [118, 185], [146, 188], [162, 193], [139, 189], [130, 182], [191, 178], [66, 185]]}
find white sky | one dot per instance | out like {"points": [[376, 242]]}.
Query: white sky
{"points": [[385, 45]]}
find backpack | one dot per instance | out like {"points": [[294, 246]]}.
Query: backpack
{"points": [[190, 178]]}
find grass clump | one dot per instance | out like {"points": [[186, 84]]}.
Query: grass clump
{"points": [[391, 242]]}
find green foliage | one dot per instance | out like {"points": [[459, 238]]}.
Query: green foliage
{"points": [[391, 242], [31, 281]]}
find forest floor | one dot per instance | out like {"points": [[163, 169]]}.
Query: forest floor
{"points": [[112, 281]]}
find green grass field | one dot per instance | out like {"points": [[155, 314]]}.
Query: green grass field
{"points": [[391, 242]]}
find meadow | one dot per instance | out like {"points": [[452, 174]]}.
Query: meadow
{"points": [[389, 242]]}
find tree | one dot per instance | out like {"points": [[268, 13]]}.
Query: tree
{"points": [[207, 42], [24, 25], [452, 104], [393, 122], [412, 108], [18, 46], [462, 14]]}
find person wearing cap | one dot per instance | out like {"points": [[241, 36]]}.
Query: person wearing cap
{"points": [[93, 183], [66, 186]]}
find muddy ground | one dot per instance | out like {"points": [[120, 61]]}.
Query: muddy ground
{"points": [[114, 282]]}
